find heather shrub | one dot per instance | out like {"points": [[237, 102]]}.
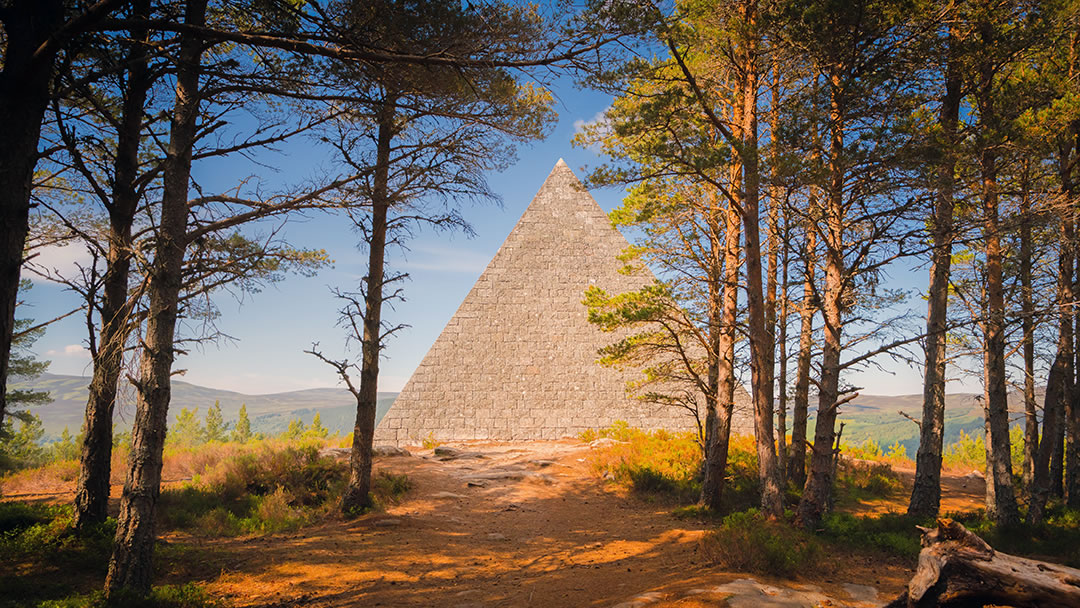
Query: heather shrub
{"points": [[748, 542]]}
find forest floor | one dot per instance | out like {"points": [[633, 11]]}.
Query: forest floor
{"points": [[522, 524], [525, 525]]}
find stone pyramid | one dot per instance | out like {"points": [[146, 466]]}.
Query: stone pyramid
{"points": [[518, 358]]}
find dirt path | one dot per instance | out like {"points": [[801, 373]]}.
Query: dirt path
{"points": [[518, 525]]}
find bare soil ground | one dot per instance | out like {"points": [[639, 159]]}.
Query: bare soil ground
{"points": [[526, 525], [523, 524]]}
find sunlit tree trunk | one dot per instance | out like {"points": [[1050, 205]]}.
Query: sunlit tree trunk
{"points": [[1003, 509], [358, 492], [131, 564], [818, 489], [801, 397]]}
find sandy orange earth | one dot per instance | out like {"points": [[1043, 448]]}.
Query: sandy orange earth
{"points": [[523, 524]]}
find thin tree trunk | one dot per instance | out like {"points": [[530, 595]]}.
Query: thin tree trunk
{"points": [[801, 407], [716, 451], [716, 434], [92, 490], [24, 95], [1004, 510], [818, 488], [781, 417], [926, 493], [775, 195], [358, 493], [1031, 421], [131, 564]]}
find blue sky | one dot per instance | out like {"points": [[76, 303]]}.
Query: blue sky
{"points": [[271, 329]]}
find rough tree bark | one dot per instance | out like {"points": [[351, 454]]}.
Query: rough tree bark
{"points": [[716, 451], [819, 481], [771, 305], [801, 397], [926, 493], [723, 308], [358, 493], [92, 490], [761, 339], [24, 95], [130, 567], [957, 568], [1004, 508], [1027, 322]]}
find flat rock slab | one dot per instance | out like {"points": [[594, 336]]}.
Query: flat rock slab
{"points": [[445, 454], [338, 453], [508, 475], [389, 450], [862, 594], [749, 593], [379, 451]]}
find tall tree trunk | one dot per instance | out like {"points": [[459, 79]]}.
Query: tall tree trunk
{"points": [[775, 196], [818, 489], [781, 383], [926, 493], [1004, 510], [801, 407], [716, 449], [1031, 421], [358, 493], [719, 409], [761, 340], [24, 95], [131, 564], [92, 490]]}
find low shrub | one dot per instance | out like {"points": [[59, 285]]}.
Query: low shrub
{"points": [[165, 596], [266, 488], [893, 534], [863, 480], [388, 488], [748, 542], [652, 463]]}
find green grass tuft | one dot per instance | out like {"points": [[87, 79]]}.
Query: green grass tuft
{"points": [[748, 542]]}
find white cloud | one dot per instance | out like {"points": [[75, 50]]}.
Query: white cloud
{"points": [[63, 260], [73, 351], [598, 119]]}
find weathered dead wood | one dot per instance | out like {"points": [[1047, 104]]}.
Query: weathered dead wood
{"points": [[957, 568]]}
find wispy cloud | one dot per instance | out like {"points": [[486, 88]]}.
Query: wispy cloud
{"points": [[72, 351], [63, 260], [445, 259], [599, 119]]}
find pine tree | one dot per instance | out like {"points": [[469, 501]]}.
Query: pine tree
{"points": [[317, 430], [214, 428], [187, 430], [242, 431]]}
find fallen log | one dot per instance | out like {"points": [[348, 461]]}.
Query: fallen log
{"points": [[957, 568]]}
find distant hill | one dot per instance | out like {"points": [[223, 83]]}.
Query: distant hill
{"points": [[874, 417], [268, 413], [878, 417]]}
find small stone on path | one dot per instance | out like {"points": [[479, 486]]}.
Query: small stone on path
{"points": [[386, 523]]}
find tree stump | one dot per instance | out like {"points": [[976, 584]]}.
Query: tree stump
{"points": [[957, 568]]}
